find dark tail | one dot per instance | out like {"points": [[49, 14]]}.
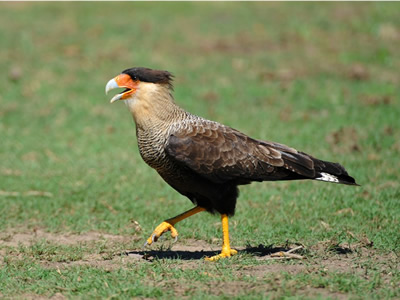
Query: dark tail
{"points": [[332, 172], [299, 165], [304, 166]]}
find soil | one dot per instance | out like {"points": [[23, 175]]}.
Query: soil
{"points": [[12, 239], [322, 257]]}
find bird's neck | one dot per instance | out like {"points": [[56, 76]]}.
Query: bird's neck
{"points": [[153, 107], [154, 111]]}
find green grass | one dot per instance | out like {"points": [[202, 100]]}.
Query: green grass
{"points": [[322, 78]]}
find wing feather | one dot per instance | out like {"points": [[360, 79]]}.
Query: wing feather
{"points": [[221, 154]]}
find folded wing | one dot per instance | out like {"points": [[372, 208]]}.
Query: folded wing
{"points": [[222, 154]]}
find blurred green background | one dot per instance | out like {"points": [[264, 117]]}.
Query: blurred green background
{"points": [[319, 77]]}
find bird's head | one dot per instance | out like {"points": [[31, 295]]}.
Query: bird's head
{"points": [[134, 79]]}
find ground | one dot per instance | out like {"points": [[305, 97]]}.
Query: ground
{"points": [[77, 202], [326, 270]]}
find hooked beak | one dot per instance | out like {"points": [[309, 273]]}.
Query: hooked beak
{"points": [[122, 81], [112, 84]]}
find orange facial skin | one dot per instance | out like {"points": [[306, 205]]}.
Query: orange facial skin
{"points": [[124, 80]]}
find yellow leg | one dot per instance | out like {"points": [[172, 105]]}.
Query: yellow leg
{"points": [[226, 248], [168, 225]]}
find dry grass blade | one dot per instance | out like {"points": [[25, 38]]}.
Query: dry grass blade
{"points": [[287, 254]]}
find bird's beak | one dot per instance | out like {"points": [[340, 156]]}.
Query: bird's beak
{"points": [[122, 81], [112, 84]]}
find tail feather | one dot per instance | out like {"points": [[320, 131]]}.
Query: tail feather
{"points": [[304, 166], [299, 165], [332, 172]]}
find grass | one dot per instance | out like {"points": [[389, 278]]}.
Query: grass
{"points": [[319, 77]]}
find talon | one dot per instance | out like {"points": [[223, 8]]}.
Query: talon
{"points": [[160, 230], [175, 239], [224, 253]]}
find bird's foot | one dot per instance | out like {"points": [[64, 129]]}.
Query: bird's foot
{"points": [[160, 230], [226, 252]]}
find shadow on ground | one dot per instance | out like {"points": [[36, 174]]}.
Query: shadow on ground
{"points": [[258, 251]]}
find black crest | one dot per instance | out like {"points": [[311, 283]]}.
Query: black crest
{"points": [[149, 75]]}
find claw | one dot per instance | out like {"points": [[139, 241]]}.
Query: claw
{"points": [[175, 239], [160, 230], [224, 253]]}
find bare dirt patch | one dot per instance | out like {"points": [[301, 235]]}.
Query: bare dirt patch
{"points": [[322, 257], [56, 296], [14, 239], [253, 270]]}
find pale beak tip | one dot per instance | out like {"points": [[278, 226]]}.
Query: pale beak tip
{"points": [[112, 84], [115, 98]]}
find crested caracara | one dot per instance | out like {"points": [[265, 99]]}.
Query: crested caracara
{"points": [[205, 160]]}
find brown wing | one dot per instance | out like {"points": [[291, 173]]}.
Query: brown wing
{"points": [[221, 154]]}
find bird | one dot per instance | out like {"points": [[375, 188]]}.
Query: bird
{"points": [[204, 160]]}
